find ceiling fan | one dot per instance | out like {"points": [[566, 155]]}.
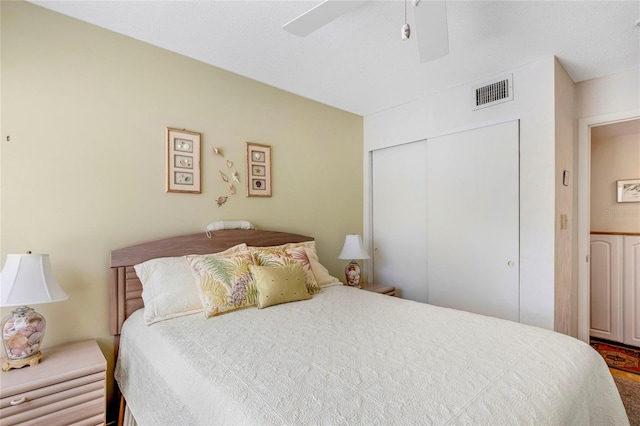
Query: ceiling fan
{"points": [[430, 23]]}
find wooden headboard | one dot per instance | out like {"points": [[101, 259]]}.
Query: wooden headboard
{"points": [[125, 287]]}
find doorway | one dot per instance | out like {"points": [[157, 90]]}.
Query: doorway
{"points": [[585, 126]]}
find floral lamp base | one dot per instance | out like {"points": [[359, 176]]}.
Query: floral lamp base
{"points": [[352, 274]]}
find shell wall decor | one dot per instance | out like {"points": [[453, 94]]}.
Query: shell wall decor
{"points": [[235, 177]]}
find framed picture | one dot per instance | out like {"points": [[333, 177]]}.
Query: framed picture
{"points": [[629, 191], [258, 170], [183, 161]]}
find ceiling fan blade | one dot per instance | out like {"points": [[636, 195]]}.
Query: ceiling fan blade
{"points": [[431, 29], [321, 15]]}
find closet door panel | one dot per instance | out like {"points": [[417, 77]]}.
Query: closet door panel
{"points": [[606, 287], [473, 220], [632, 290], [399, 226]]}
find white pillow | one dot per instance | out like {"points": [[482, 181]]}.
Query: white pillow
{"points": [[321, 273], [169, 288]]}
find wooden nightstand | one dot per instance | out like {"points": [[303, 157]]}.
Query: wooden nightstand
{"points": [[379, 288], [68, 386]]}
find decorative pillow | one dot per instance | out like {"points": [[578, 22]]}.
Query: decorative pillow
{"points": [[321, 274], [279, 284], [224, 283], [274, 256], [168, 286]]}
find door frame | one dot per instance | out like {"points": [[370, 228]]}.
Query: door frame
{"points": [[584, 207]]}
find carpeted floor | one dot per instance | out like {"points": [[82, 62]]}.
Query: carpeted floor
{"points": [[629, 387], [624, 364]]}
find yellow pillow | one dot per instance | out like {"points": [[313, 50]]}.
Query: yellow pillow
{"points": [[279, 284]]}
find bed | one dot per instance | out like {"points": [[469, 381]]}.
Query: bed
{"points": [[343, 356]]}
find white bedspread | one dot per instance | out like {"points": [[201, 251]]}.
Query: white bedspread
{"points": [[349, 356]]}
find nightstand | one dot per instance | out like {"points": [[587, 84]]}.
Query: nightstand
{"points": [[379, 288], [67, 386]]}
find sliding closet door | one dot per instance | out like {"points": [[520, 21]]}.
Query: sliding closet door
{"points": [[399, 227], [473, 220]]}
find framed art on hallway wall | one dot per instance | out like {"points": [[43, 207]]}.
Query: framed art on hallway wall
{"points": [[628, 191]]}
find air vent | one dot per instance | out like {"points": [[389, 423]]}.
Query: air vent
{"points": [[494, 92]]}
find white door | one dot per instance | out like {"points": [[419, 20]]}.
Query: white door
{"points": [[606, 287], [631, 290], [473, 220], [445, 220], [398, 214]]}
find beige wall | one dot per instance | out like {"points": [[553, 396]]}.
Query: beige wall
{"points": [[613, 158], [86, 110]]}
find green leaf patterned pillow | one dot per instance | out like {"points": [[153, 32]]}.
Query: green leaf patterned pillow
{"points": [[224, 283], [277, 256]]}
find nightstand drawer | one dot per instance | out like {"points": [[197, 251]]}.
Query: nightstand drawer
{"points": [[67, 387], [82, 414], [36, 405]]}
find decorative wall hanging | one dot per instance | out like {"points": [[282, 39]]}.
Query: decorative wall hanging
{"points": [[221, 200], [231, 188], [183, 161], [258, 170], [629, 191]]}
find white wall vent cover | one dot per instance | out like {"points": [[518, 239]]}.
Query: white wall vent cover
{"points": [[493, 92]]}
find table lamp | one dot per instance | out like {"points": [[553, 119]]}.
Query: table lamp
{"points": [[353, 249], [26, 279]]}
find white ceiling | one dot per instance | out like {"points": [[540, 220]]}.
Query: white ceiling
{"points": [[358, 62]]}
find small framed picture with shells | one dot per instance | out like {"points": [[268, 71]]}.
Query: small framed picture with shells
{"points": [[183, 161], [258, 170]]}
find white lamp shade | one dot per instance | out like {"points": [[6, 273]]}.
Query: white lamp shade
{"points": [[353, 248], [27, 279]]}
